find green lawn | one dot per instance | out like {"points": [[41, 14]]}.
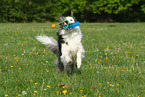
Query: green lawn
{"points": [[114, 63]]}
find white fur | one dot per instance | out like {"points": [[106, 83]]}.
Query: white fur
{"points": [[72, 50], [74, 47]]}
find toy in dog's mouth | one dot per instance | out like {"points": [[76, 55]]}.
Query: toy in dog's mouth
{"points": [[72, 25], [66, 24]]}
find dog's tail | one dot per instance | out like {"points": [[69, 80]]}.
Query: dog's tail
{"points": [[49, 42]]}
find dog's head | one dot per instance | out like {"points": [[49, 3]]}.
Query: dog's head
{"points": [[68, 22]]}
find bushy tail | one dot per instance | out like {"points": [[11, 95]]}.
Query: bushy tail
{"points": [[49, 42]]}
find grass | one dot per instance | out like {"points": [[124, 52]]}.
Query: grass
{"points": [[113, 65]]}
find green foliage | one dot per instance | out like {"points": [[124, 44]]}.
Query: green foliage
{"points": [[46, 10]]}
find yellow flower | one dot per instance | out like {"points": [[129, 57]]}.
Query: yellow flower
{"points": [[81, 90], [106, 58], [12, 66], [63, 87], [48, 86], [64, 92], [96, 60], [35, 83], [70, 93], [85, 95], [19, 67], [112, 85], [19, 95], [100, 84], [46, 61], [44, 89], [117, 84], [57, 91], [31, 80], [6, 95], [35, 91], [105, 67]]}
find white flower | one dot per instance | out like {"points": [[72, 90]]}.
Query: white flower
{"points": [[24, 92], [111, 53]]}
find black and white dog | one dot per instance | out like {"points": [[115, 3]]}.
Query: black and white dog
{"points": [[68, 48]]}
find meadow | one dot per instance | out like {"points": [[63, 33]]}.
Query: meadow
{"points": [[114, 63]]}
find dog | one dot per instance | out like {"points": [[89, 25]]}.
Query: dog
{"points": [[68, 46]]}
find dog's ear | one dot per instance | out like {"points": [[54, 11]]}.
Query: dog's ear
{"points": [[60, 17], [74, 18]]}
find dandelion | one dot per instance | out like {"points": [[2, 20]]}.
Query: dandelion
{"points": [[96, 60], [57, 92], [44, 89], [35, 83], [46, 61], [35, 91], [81, 90], [24, 92], [19, 95], [112, 85], [85, 95], [6, 95], [105, 67], [31, 80], [19, 67], [12, 66], [106, 58], [63, 87], [70, 93], [100, 84], [64, 92], [48, 86], [117, 84]]}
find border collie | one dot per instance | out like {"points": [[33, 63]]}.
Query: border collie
{"points": [[68, 47]]}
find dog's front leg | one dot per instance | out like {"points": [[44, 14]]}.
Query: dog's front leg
{"points": [[79, 59]]}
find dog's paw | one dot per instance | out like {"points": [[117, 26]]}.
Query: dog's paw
{"points": [[78, 65]]}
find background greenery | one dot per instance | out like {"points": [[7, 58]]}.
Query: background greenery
{"points": [[113, 65], [83, 10]]}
